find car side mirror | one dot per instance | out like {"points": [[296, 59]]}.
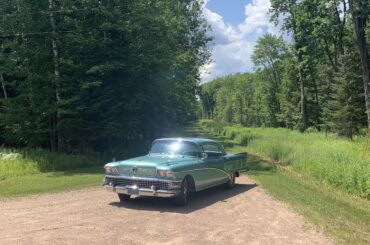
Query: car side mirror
{"points": [[203, 155]]}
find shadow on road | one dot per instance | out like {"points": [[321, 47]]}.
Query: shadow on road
{"points": [[197, 201]]}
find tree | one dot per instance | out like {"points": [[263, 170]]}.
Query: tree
{"points": [[295, 22], [99, 75], [360, 11], [347, 116], [267, 57]]}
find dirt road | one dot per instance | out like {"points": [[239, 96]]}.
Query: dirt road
{"points": [[244, 215]]}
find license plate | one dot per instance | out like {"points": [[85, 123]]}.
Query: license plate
{"points": [[132, 191]]}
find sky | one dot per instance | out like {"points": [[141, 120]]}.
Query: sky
{"points": [[235, 26]]}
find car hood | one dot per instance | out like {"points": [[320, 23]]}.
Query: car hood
{"points": [[148, 165]]}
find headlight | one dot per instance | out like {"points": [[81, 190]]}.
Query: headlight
{"points": [[166, 173], [111, 170]]}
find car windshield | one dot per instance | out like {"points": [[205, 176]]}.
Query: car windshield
{"points": [[174, 147]]}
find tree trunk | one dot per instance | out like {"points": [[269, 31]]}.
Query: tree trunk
{"points": [[54, 43], [303, 100], [302, 84], [3, 86], [301, 73], [359, 21]]}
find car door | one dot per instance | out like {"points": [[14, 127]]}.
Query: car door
{"points": [[214, 164]]}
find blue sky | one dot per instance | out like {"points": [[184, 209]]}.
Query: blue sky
{"points": [[232, 11], [236, 26]]}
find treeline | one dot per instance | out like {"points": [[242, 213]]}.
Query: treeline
{"points": [[85, 75], [316, 77]]}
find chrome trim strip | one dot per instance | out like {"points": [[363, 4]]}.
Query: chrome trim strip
{"points": [[141, 178], [198, 169], [142, 191]]}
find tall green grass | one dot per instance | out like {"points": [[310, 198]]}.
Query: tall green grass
{"points": [[19, 162], [334, 161]]}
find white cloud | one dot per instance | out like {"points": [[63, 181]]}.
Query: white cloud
{"points": [[221, 32], [257, 16], [233, 45]]}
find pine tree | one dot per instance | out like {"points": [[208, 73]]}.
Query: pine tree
{"points": [[347, 114]]}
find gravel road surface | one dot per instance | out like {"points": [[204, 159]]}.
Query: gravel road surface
{"points": [[243, 215]]}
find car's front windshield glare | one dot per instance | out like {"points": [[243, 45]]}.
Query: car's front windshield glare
{"points": [[174, 147]]}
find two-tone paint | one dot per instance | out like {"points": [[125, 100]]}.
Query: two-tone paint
{"points": [[203, 172]]}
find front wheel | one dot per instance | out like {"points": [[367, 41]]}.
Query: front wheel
{"points": [[123, 197], [182, 198], [231, 183]]}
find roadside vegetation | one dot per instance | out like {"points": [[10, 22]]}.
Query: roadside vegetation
{"points": [[53, 181], [333, 161], [20, 162], [30, 171], [344, 216]]}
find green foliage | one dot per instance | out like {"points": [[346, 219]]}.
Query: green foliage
{"points": [[327, 158], [32, 161], [50, 182], [344, 217], [314, 82], [322, 39], [347, 115], [237, 99], [127, 71]]}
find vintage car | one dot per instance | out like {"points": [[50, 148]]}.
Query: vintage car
{"points": [[173, 168]]}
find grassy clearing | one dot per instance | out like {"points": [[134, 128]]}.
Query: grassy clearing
{"points": [[343, 216], [331, 160], [32, 161], [30, 171], [50, 182]]}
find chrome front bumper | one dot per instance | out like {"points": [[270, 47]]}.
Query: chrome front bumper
{"points": [[113, 184]]}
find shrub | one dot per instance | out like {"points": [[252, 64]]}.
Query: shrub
{"points": [[29, 161], [326, 157]]}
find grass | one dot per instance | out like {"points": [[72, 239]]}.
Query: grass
{"points": [[343, 216], [340, 215], [31, 171], [19, 162], [15, 186], [331, 160]]}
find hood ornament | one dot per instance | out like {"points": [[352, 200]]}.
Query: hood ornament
{"points": [[134, 169]]}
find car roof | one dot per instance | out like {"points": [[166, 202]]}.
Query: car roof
{"points": [[198, 141]]}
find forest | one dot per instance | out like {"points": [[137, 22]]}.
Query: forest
{"points": [[94, 76], [86, 76], [315, 76]]}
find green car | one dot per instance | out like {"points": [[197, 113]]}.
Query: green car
{"points": [[173, 168]]}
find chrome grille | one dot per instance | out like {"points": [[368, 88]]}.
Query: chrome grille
{"points": [[138, 171], [159, 185]]}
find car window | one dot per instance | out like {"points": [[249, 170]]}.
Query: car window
{"points": [[211, 148], [174, 147]]}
